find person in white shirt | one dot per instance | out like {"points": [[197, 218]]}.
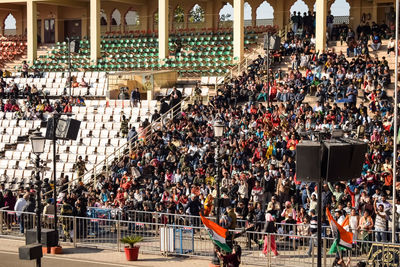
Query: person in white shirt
{"points": [[390, 46], [18, 208]]}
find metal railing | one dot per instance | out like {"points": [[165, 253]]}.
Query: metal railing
{"points": [[258, 248]]}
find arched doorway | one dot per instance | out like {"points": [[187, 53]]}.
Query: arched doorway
{"points": [[196, 17], [340, 10], [179, 18], [338, 18], [10, 25], [248, 16], [132, 20], [155, 21], [103, 21], [226, 16], [301, 18], [116, 20], [264, 14]]}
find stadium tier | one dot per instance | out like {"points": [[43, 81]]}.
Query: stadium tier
{"points": [[199, 54]]}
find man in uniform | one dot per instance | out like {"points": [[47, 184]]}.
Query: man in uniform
{"points": [[80, 168], [124, 126]]}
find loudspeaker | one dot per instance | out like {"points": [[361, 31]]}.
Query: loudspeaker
{"points": [[358, 150], [30, 252], [336, 161], [67, 128], [308, 161], [49, 237], [274, 42]]}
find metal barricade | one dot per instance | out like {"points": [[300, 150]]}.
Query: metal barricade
{"points": [[163, 235]]}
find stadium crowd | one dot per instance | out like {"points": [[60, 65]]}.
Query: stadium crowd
{"points": [[175, 169]]}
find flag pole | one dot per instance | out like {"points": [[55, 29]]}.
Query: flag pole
{"points": [[396, 70]]}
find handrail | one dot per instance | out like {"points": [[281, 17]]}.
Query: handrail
{"points": [[105, 162]]}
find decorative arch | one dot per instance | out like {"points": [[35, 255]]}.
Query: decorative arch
{"points": [[248, 15], [155, 20], [226, 13], [264, 14], [103, 18], [116, 18], [132, 18], [10, 24], [299, 6], [340, 9], [178, 17], [196, 14]]}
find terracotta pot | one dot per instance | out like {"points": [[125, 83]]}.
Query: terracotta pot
{"points": [[132, 253], [45, 250], [56, 250]]}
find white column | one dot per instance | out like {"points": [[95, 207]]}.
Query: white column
{"points": [[238, 29], [31, 18], [320, 28], [163, 49], [94, 31]]}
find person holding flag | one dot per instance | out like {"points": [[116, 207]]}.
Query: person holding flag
{"points": [[343, 239]]}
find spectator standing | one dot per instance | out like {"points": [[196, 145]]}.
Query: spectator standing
{"points": [[19, 206]]}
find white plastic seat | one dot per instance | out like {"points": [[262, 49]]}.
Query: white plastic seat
{"points": [[72, 158], [114, 142], [103, 142], [90, 125], [101, 150], [64, 157], [95, 142], [68, 167], [73, 149], [82, 150], [90, 150], [104, 133], [17, 155], [22, 164], [99, 125]]}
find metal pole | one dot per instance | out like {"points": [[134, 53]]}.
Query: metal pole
{"points": [[38, 184], [268, 37], [55, 123], [319, 240], [215, 260], [69, 66], [396, 73]]}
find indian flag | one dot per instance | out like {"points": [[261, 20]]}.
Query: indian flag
{"points": [[343, 238], [217, 233]]}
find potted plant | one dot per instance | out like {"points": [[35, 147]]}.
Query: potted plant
{"points": [[131, 251]]}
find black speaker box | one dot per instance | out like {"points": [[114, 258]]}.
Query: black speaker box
{"points": [[336, 161], [358, 150], [30, 252], [67, 129], [49, 237], [308, 161], [274, 42]]}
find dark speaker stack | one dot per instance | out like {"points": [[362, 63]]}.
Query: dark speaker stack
{"points": [[274, 42], [30, 252], [49, 237], [67, 129], [333, 160]]}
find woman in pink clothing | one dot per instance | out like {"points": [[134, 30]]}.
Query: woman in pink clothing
{"points": [[270, 229]]}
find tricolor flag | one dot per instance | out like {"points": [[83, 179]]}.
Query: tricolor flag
{"points": [[217, 233], [343, 238]]}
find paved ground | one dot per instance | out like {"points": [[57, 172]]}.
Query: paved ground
{"points": [[87, 257]]}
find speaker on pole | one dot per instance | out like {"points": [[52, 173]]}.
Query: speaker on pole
{"points": [[358, 150], [274, 42], [67, 128], [308, 161], [336, 161]]}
